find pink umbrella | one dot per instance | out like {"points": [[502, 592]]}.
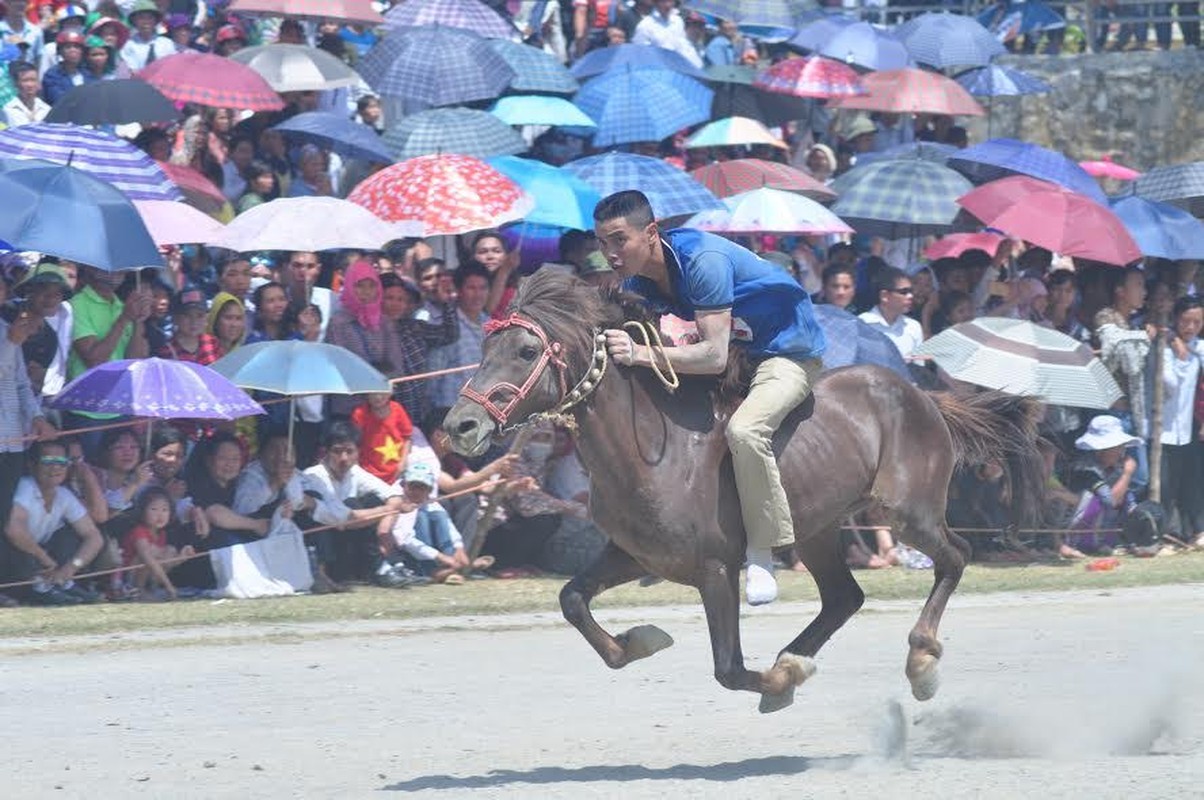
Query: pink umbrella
{"points": [[912, 91], [1052, 217], [170, 222], [726, 178], [346, 10], [954, 244], [210, 80], [1107, 168], [811, 77], [198, 190]]}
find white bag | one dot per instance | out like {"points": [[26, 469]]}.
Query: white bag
{"points": [[274, 566]]}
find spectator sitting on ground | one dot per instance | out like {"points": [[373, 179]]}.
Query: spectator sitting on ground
{"points": [[1104, 481], [145, 547], [386, 429], [435, 546]]}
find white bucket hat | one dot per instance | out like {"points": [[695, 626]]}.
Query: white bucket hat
{"points": [[1104, 433]]}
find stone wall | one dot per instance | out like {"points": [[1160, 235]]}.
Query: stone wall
{"points": [[1146, 109]]}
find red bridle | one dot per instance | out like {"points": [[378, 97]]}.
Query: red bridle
{"points": [[551, 355]]}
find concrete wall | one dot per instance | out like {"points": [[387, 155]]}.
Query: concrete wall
{"points": [[1145, 108]]}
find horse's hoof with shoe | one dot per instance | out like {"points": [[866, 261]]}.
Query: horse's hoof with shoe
{"points": [[643, 641], [923, 662], [797, 669]]}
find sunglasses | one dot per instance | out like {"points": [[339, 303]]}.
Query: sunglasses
{"points": [[54, 461]]}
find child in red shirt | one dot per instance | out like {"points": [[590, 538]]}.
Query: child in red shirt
{"points": [[386, 429], [146, 544]]}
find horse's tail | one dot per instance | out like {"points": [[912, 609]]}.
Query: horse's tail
{"points": [[994, 426]]}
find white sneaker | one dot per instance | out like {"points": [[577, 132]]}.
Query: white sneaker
{"points": [[760, 586]]}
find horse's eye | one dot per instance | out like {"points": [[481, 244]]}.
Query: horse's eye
{"points": [[528, 353]]}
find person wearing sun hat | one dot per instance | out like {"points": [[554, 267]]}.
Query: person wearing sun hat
{"points": [[145, 45], [45, 290], [1104, 479]]}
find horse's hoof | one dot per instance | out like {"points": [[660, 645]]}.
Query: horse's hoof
{"points": [[776, 702], [925, 677], [799, 668], [643, 641]]}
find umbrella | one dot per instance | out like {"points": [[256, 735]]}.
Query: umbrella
{"points": [[538, 109], [954, 244], [158, 388], [912, 91], [935, 152], [760, 13], [1179, 184], [733, 131], [735, 96], [448, 194], [726, 178], [851, 341], [101, 154], [210, 80], [197, 190], [863, 45], [899, 198], [344, 10], [642, 105], [296, 68], [65, 212], [815, 34], [471, 15], [1160, 229], [769, 211], [635, 56], [335, 131], [1018, 19], [453, 130], [1019, 357], [1052, 217], [999, 81], [811, 77], [171, 222], [534, 69], [1107, 168], [309, 224], [562, 200], [295, 368], [113, 103], [435, 66], [671, 191], [948, 40], [999, 158]]}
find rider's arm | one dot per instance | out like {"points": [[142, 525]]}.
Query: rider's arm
{"points": [[708, 356]]}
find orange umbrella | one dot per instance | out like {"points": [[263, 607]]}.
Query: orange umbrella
{"points": [[912, 91]]}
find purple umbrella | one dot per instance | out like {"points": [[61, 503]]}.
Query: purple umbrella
{"points": [[158, 388]]}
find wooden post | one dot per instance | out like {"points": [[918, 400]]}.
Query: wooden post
{"points": [[1155, 430]]}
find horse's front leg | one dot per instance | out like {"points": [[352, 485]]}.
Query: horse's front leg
{"points": [[613, 567], [720, 590]]}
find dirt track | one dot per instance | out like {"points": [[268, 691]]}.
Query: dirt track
{"points": [[1070, 695]]}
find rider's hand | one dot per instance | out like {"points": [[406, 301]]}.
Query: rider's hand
{"points": [[620, 347]]}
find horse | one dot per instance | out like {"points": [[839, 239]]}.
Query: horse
{"points": [[662, 486]]}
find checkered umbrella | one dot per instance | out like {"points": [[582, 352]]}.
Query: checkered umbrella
{"points": [[912, 91], [899, 199], [862, 45], [100, 154], [733, 131], [811, 77], [636, 56], [762, 13], [948, 40], [436, 66], [453, 130], [448, 194], [1019, 357], [534, 69], [816, 33], [469, 15], [345, 10], [671, 191], [642, 105], [996, 81], [935, 152], [1180, 184], [726, 178], [210, 80], [999, 158]]}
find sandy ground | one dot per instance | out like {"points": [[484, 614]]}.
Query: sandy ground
{"points": [[1060, 695]]}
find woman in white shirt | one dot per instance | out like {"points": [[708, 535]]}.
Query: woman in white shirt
{"points": [[1181, 449]]}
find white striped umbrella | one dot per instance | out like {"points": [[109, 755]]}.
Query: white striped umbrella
{"points": [[1020, 357]]}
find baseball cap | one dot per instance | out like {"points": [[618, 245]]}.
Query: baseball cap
{"points": [[420, 472], [187, 299], [43, 274]]}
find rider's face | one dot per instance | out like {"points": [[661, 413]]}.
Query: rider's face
{"points": [[627, 248]]}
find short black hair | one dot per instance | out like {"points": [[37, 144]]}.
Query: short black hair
{"points": [[341, 433], [571, 240], [1186, 303], [164, 435], [832, 270], [38, 448], [489, 234], [391, 280], [426, 263], [888, 278], [632, 205], [468, 269], [18, 68]]}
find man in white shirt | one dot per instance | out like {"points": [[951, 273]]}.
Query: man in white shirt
{"points": [[28, 106], [890, 315], [145, 44], [301, 277], [665, 28]]}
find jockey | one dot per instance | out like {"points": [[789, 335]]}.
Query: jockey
{"points": [[730, 293]]}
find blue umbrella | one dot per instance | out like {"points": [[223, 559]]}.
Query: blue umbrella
{"points": [[863, 45], [453, 130], [636, 56], [435, 66], [851, 341], [760, 13], [819, 32], [643, 105], [1018, 19], [1160, 229], [539, 109], [899, 198], [928, 151], [471, 15], [949, 40], [999, 158], [65, 212], [998, 81], [562, 199], [672, 192], [348, 139], [534, 70]]}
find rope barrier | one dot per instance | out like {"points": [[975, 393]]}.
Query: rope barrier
{"points": [[992, 530]]}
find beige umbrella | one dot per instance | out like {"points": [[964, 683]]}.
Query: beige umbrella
{"points": [[310, 224], [297, 68]]}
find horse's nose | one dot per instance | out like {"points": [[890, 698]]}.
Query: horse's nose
{"points": [[466, 427]]}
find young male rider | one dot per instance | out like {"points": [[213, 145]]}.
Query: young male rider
{"points": [[730, 293]]}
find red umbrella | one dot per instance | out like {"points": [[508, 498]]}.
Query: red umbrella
{"points": [[1107, 168], [448, 194], [1052, 217], [347, 10], [199, 191], [810, 77], [210, 80], [912, 91], [954, 244], [726, 178]]}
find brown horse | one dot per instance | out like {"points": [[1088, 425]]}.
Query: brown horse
{"points": [[662, 486]]}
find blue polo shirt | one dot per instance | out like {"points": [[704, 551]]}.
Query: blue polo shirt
{"points": [[771, 312]]}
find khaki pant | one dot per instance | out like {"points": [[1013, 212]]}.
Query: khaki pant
{"points": [[778, 386]]}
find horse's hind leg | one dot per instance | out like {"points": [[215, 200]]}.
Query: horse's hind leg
{"points": [[839, 593], [613, 567]]}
